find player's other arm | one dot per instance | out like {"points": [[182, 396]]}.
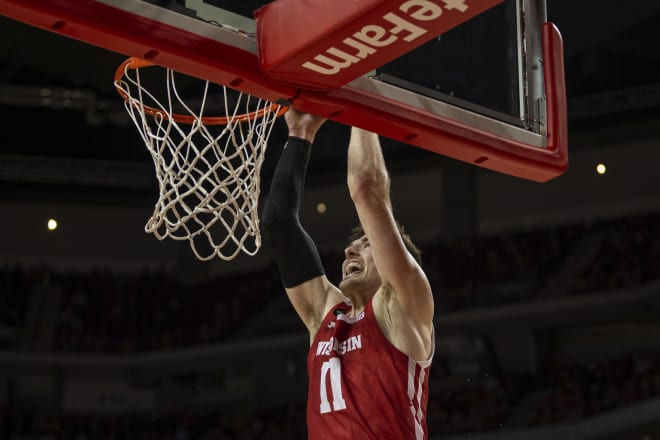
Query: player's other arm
{"points": [[369, 187], [297, 257]]}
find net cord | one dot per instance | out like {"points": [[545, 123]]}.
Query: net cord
{"points": [[209, 184]]}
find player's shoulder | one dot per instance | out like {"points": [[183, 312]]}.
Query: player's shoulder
{"points": [[332, 309]]}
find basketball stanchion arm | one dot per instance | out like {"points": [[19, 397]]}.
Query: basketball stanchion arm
{"points": [[455, 139], [146, 31]]}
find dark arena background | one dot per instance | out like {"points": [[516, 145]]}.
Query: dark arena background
{"points": [[547, 295]]}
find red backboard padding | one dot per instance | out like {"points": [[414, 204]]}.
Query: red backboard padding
{"points": [[193, 53], [324, 44]]}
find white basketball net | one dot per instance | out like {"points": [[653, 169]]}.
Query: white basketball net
{"points": [[208, 174]]}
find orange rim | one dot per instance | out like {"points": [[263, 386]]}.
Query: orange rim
{"points": [[136, 63]]}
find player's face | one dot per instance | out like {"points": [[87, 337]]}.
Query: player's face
{"points": [[359, 268]]}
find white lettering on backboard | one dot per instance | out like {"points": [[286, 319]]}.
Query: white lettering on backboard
{"points": [[373, 36]]}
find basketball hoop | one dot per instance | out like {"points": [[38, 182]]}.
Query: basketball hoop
{"points": [[208, 167]]}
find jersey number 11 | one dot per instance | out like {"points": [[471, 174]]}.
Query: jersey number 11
{"points": [[333, 368]]}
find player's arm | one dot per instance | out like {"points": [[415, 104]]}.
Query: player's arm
{"points": [[297, 257], [369, 186]]}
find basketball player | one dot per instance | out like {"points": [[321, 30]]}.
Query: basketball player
{"points": [[372, 338]]}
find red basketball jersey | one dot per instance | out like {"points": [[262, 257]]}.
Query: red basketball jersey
{"points": [[360, 385]]}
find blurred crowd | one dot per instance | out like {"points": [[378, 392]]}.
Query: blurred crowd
{"points": [[581, 391], [284, 423], [557, 394], [100, 312], [457, 405], [103, 311]]}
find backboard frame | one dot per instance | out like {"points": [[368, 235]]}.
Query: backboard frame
{"points": [[227, 56]]}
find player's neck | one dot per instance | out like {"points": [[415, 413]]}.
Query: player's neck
{"points": [[358, 302]]}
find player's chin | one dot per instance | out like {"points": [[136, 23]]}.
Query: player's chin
{"points": [[346, 283]]}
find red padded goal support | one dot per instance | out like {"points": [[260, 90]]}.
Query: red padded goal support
{"points": [[137, 28]]}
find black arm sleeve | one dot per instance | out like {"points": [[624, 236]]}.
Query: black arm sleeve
{"points": [[295, 252]]}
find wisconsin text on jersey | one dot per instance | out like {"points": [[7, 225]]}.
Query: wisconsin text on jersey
{"points": [[323, 348]]}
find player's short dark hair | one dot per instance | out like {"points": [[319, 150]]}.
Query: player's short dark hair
{"points": [[358, 232]]}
